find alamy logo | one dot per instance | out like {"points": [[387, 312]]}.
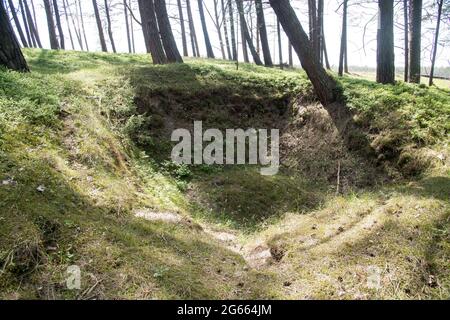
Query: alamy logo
{"points": [[210, 148]]}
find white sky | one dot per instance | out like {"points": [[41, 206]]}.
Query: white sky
{"points": [[359, 16]]}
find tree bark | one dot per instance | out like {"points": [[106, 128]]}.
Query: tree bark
{"points": [[385, 46], [219, 29], [30, 39], [436, 41], [261, 22], [127, 25], [209, 49], [33, 27], [192, 33], [10, 54], [66, 15], [168, 40], [58, 24], [320, 9], [108, 21], [232, 30], [415, 36], [76, 26], [246, 34], [280, 45], [99, 26], [406, 34], [225, 27], [183, 29], [324, 85], [83, 30], [151, 31], [17, 23], [343, 39], [54, 44]]}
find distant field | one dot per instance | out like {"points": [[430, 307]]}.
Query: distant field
{"points": [[445, 84]]}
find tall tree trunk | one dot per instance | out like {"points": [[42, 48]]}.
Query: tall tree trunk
{"points": [[32, 24], [314, 34], [280, 46], [54, 44], [10, 54], [168, 40], [343, 39], [436, 41], [76, 26], [192, 33], [108, 21], [31, 41], [246, 34], [243, 43], [17, 23], [58, 24], [324, 85], [127, 25], [415, 39], [99, 26], [225, 27], [209, 49], [261, 22], [183, 29], [232, 30], [406, 22], [151, 32], [218, 27], [320, 9], [133, 44], [66, 15], [385, 46], [82, 25]]}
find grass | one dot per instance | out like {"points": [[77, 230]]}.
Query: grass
{"points": [[90, 129]]}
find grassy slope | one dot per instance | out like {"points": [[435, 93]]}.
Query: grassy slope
{"points": [[63, 127]]}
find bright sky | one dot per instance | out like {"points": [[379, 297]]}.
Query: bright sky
{"points": [[361, 17]]}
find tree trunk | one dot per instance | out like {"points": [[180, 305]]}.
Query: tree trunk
{"points": [[225, 27], [261, 22], [343, 39], [17, 23], [76, 26], [108, 21], [193, 35], [436, 41], [54, 44], [406, 22], [151, 31], [385, 46], [415, 36], [320, 9], [133, 45], [10, 54], [31, 41], [183, 29], [246, 34], [232, 30], [58, 24], [168, 40], [33, 27], [209, 49], [324, 85], [127, 25], [219, 29], [83, 30], [280, 45], [314, 34], [66, 15], [99, 26]]}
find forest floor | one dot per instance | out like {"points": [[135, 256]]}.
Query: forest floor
{"points": [[86, 179]]}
